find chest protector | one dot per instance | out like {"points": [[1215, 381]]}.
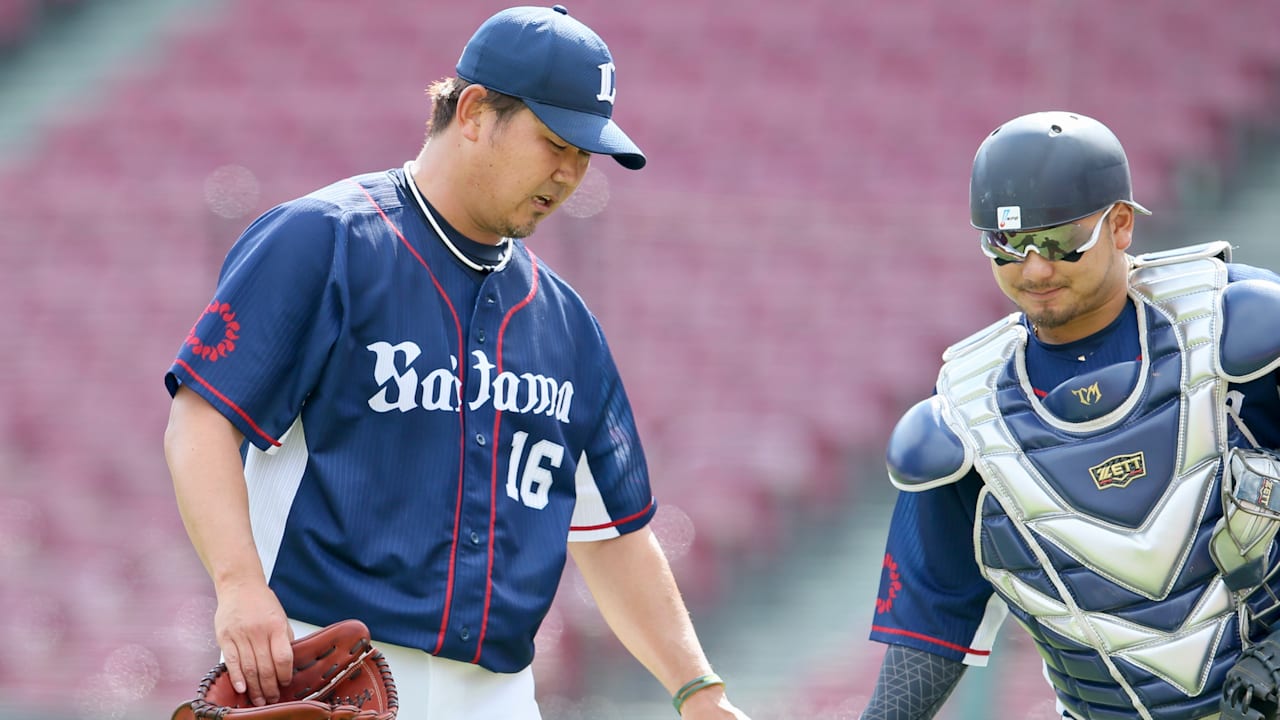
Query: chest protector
{"points": [[1101, 503]]}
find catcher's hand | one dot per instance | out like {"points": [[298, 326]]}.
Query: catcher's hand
{"points": [[337, 675], [1253, 683]]}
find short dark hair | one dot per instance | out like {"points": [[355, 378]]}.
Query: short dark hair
{"points": [[444, 103]]}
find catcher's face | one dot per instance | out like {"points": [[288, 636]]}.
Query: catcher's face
{"points": [[1067, 301]]}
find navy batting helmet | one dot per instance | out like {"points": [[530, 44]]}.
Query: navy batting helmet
{"points": [[1047, 169]]}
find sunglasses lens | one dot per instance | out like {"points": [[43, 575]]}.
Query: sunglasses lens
{"points": [[995, 247], [1055, 243]]}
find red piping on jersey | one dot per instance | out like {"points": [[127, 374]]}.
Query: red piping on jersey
{"points": [[462, 448], [196, 376], [926, 638], [623, 521], [493, 473]]}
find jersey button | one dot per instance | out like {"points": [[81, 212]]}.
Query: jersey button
{"points": [[464, 633], [489, 300], [480, 335], [475, 538], [479, 439]]}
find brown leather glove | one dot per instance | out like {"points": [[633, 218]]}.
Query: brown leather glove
{"points": [[337, 675]]}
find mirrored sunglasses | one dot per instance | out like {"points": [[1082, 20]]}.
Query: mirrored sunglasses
{"points": [[1062, 242]]}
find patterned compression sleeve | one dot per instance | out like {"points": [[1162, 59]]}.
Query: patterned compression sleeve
{"points": [[913, 685]]}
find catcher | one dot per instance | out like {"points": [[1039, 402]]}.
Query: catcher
{"points": [[1100, 465], [337, 675]]}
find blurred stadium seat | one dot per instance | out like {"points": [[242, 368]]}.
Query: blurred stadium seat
{"points": [[17, 19], [23, 20], [778, 284]]}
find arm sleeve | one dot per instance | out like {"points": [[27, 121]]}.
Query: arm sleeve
{"points": [[259, 346], [912, 685], [932, 595], [612, 477]]}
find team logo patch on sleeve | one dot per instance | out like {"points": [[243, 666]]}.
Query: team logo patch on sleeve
{"points": [[1119, 471], [890, 584], [215, 333]]}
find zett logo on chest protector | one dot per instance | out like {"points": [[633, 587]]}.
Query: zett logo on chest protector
{"points": [[441, 388], [1119, 471]]}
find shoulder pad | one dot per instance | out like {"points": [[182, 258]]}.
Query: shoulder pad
{"points": [[923, 451], [1250, 342], [1220, 249], [976, 339]]}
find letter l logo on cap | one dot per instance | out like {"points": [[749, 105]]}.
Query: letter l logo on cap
{"points": [[607, 90]]}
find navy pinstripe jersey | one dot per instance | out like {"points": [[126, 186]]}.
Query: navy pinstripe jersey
{"points": [[932, 596], [422, 437]]}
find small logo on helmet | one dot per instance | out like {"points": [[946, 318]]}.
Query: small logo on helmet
{"points": [[1119, 471], [1009, 217]]}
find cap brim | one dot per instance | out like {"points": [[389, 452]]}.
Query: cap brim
{"points": [[593, 133], [1136, 207]]}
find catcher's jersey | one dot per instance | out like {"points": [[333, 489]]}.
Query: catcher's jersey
{"points": [[423, 437], [933, 595]]}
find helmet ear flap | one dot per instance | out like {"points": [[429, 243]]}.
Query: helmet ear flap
{"points": [[1046, 169]]}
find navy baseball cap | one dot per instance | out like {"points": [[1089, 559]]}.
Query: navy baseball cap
{"points": [[560, 68]]}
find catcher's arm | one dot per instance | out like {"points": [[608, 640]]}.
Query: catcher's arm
{"points": [[913, 685], [203, 452]]}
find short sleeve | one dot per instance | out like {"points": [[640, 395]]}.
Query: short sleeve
{"points": [[932, 596], [612, 478], [258, 347]]}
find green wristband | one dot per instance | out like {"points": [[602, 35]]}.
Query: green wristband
{"points": [[702, 682]]}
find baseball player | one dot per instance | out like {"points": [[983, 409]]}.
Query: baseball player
{"points": [[1098, 464], [427, 411]]}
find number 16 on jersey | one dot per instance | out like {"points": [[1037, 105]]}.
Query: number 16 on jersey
{"points": [[532, 484]]}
